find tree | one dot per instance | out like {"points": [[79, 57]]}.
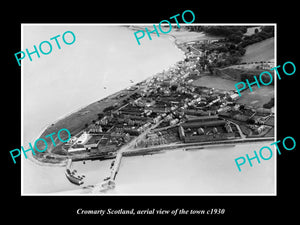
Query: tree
{"points": [[268, 29], [222, 48], [100, 115], [109, 108], [234, 59], [210, 69], [266, 78], [173, 88], [235, 38]]}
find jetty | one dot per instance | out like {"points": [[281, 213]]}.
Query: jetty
{"points": [[71, 174]]}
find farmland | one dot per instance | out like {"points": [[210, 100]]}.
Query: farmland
{"points": [[261, 51]]}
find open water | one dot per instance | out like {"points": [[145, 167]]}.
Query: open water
{"points": [[103, 60]]}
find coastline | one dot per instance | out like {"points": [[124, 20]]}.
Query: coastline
{"points": [[206, 151], [63, 159], [60, 160], [44, 162]]}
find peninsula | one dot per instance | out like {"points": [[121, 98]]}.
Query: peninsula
{"points": [[176, 108]]}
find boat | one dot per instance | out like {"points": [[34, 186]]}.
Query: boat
{"points": [[72, 178]]}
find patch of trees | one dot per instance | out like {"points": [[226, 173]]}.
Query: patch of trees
{"points": [[100, 116], [173, 88], [109, 108], [265, 33], [235, 34], [264, 77], [270, 104], [225, 31], [195, 28], [233, 42], [234, 52]]}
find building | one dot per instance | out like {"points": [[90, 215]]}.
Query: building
{"points": [[203, 118], [104, 120], [93, 142], [181, 133], [215, 130], [168, 118], [77, 150], [194, 112], [200, 131], [157, 119], [84, 137], [260, 129], [228, 128], [224, 109], [132, 131], [263, 111], [173, 122], [95, 128], [204, 124], [240, 117], [234, 96], [202, 138]]}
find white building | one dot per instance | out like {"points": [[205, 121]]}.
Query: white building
{"points": [[234, 96], [84, 137]]}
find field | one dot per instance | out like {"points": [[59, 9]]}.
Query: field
{"points": [[251, 30], [258, 97], [76, 121], [261, 51], [217, 82]]}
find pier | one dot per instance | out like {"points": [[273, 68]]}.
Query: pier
{"points": [[71, 175], [128, 151], [69, 164], [110, 183], [116, 166]]}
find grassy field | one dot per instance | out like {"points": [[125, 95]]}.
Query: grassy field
{"points": [[251, 30], [261, 51], [76, 121], [212, 81], [258, 97]]}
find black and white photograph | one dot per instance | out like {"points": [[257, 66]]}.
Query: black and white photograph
{"points": [[149, 109], [142, 112]]}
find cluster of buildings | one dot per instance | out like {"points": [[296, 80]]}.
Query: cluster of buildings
{"points": [[209, 54], [170, 102], [205, 128]]}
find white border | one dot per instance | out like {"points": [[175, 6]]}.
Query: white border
{"points": [[151, 24]]}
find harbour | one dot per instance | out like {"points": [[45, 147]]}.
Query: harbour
{"points": [[218, 133], [48, 178]]}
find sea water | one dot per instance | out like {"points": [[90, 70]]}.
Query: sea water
{"points": [[103, 60], [208, 171]]}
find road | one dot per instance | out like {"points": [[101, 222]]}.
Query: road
{"points": [[128, 146], [239, 129], [110, 183]]}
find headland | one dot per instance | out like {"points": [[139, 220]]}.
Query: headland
{"points": [[173, 108]]}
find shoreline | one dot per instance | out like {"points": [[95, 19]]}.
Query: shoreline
{"points": [[174, 40], [60, 160], [40, 160], [87, 190]]}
